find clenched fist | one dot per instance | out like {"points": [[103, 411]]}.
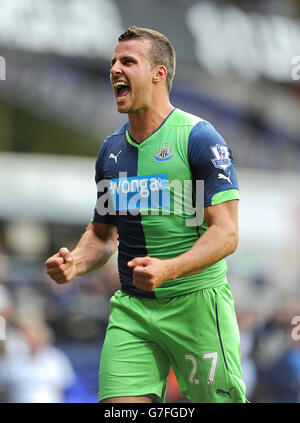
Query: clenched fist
{"points": [[149, 273], [61, 267]]}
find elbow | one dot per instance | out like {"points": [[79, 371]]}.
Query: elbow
{"points": [[233, 240], [235, 244]]}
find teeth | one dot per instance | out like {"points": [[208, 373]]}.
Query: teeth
{"points": [[119, 84]]}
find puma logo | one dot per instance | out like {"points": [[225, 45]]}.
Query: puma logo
{"points": [[112, 156], [221, 391], [222, 176]]}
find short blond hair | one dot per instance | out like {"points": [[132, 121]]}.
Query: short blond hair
{"points": [[163, 52]]}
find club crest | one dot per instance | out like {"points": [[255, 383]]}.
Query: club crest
{"points": [[164, 153], [222, 157]]}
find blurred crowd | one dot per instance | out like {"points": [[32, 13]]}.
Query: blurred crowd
{"points": [[51, 340], [54, 333], [270, 350], [32, 369], [285, 7]]}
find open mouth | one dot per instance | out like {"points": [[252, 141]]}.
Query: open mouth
{"points": [[121, 89]]}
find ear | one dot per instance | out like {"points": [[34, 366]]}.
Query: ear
{"points": [[160, 73]]}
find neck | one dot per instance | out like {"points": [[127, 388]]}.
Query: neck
{"points": [[146, 121]]}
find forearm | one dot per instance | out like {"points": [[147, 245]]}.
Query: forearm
{"points": [[91, 252], [215, 244]]}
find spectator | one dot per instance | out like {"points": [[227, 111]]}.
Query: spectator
{"points": [[277, 357], [40, 375]]}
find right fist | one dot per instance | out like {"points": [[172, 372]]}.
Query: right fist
{"points": [[61, 267]]}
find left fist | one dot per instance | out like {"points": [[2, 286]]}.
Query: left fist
{"points": [[149, 272]]}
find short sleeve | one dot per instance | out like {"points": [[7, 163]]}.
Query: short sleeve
{"points": [[211, 160], [99, 177]]}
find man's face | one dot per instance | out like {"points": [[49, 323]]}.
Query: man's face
{"points": [[131, 75]]}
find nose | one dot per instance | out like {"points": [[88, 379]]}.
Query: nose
{"points": [[115, 69]]}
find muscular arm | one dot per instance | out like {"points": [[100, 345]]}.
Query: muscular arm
{"points": [[219, 240], [94, 249]]}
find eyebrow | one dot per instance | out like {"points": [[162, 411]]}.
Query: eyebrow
{"points": [[113, 60]]}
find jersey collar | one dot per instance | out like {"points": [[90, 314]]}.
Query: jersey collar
{"points": [[138, 144]]}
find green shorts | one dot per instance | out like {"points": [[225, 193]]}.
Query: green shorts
{"points": [[196, 334]]}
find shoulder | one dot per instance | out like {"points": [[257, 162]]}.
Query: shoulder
{"points": [[206, 145], [204, 131], [203, 136], [55, 358], [120, 131], [117, 134], [181, 118], [199, 129], [110, 140]]}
